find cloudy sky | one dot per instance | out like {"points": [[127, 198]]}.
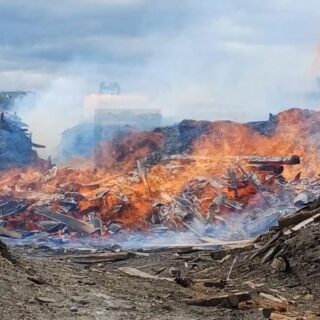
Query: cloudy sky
{"points": [[205, 59]]}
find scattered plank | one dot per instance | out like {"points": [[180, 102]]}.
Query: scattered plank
{"points": [[276, 316], [133, 272], [305, 222], [271, 297], [212, 283], [267, 246], [99, 257], [100, 193], [289, 160], [13, 207], [220, 254], [271, 253], [224, 259], [70, 222], [296, 218], [36, 280], [46, 300], [10, 233], [231, 300], [232, 265]]}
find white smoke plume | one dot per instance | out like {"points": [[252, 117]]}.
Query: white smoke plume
{"points": [[52, 110]]}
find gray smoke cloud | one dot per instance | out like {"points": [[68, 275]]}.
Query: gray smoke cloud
{"points": [[191, 59], [54, 109]]}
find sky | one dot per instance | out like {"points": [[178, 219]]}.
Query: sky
{"points": [[201, 59]]}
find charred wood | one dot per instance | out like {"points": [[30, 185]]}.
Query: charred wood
{"points": [[72, 223], [273, 160]]}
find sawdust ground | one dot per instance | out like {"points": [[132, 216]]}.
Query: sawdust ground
{"points": [[73, 291]]}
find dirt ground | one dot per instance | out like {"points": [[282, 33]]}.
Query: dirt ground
{"points": [[46, 285]]}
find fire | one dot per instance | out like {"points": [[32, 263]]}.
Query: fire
{"points": [[295, 132], [135, 179]]}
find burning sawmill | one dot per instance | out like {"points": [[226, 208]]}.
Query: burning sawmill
{"points": [[214, 188], [184, 202], [156, 162]]}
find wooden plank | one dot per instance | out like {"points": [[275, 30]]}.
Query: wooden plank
{"points": [[270, 297], [99, 257], [305, 222], [276, 316], [290, 160], [220, 254], [267, 246], [70, 222], [133, 272], [231, 300], [296, 218], [10, 233], [210, 283]]}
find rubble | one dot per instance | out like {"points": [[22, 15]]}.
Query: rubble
{"points": [[109, 205], [231, 300], [227, 196], [194, 217], [284, 286]]}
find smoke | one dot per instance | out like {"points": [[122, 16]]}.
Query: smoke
{"points": [[201, 60], [213, 72], [52, 110]]}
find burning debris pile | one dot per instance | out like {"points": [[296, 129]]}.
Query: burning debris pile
{"points": [[206, 180], [176, 210]]}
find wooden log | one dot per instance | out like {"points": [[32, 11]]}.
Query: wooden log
{"points": [[268, 245], [276, 316], [231, 300], [70, 222], [99, 257], [13, 207], [305, 222], [233, 181], [233, 204], [212, 283], [296, 218], [275, 169], [271, 253], [219, 199], [289, 160], [270, 297], [87, 187], [37, 145], [100, 193]]}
